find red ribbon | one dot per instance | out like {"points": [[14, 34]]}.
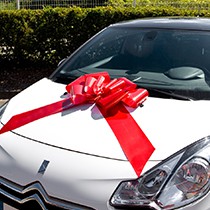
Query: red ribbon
{"points": [[109, 96]]}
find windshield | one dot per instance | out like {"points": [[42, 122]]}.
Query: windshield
{"points": [[161, 60]]}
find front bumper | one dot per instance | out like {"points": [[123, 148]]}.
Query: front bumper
{"points": [[33, 196]]}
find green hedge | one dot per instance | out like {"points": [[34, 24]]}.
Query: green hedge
{"points": [[43, 37]]}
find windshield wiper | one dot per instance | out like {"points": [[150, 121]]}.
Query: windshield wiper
{"points": [[152, 85], [143, 80], [168, 94]]}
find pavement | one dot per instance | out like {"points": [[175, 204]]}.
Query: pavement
{"points": [[4, 96], [7, 94], [2, 101], [4, 206]]}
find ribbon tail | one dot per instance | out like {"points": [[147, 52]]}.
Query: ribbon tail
{"points": [[30, 116], [131, 138]]}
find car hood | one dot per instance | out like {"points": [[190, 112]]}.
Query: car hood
{"points": [[169, 124]]}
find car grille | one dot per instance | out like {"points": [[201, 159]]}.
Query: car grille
{"points": [[33, 195]]}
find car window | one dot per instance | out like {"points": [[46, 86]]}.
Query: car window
{"points": [[166, 59], [97, 52], [100, 50]]}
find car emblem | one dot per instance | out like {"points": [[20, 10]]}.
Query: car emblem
{"points": [[43, 167]]}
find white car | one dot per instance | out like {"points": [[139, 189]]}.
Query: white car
{"points": [[121, 124]]}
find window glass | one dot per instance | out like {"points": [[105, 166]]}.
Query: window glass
{"points": [[173, 60]]}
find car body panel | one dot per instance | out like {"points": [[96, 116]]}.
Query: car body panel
{"points": [[187, 23], [153, 118], [67, 171]]}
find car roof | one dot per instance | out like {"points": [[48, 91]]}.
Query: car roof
{"points": [[187, 23]]}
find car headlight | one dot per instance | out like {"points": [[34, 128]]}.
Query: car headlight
{"points": [[175, 182]]}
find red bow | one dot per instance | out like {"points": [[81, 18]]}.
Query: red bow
{"points": [[109, 96], [106, 93]]}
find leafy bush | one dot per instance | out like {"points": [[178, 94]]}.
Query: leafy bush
{"points": [[44, 37], [189, 4]]}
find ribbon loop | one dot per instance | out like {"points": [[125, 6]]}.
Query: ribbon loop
{"points": [[136, 98], [99, 85], [89, 83], [111, 100]]}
